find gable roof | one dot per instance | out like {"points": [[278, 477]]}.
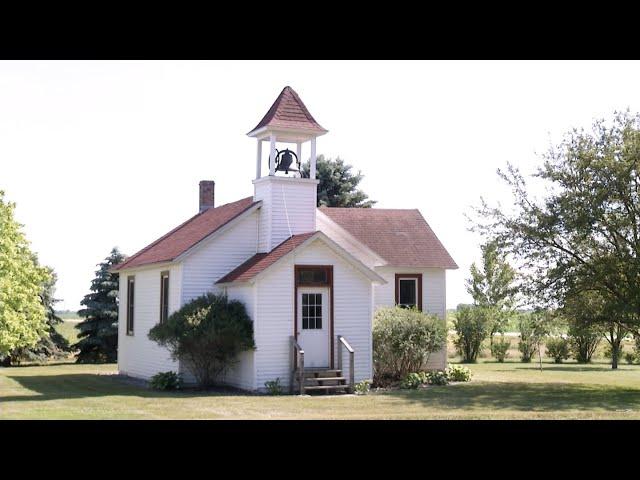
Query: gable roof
{"points": [[402, 237], [289, 112], [182, 238], [262, 261]]}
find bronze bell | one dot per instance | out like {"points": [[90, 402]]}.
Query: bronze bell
{"points": [[284, 161]]}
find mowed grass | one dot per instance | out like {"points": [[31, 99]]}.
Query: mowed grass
{"points": [[509, 390]]}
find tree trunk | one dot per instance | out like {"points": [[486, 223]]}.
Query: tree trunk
{"points": [[615, 350]]}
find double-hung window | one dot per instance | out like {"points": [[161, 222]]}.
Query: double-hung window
{"points": [[409, 290]]}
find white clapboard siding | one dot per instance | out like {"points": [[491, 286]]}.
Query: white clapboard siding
{"points": [[242, 373], [433, 298], [288, 208], [137, 355], [217, 257], [352, 313]]}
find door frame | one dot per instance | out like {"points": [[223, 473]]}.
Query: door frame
{"points": [[329, 284]]}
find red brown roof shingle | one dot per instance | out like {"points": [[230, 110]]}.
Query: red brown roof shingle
{"points": [[262, 261], [185, 236], [288, 111], [402, 237]]}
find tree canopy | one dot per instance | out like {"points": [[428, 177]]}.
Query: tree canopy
{"points": [[338, 185], [584, 235], [492, 286], [22, 314]]}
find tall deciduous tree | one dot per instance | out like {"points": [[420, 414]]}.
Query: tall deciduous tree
{"points": [[338, 185], [492, 286], [22, 314], [584, 236], [98, 337], [52, 344]]}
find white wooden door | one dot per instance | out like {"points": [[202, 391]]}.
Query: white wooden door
{"points": [[313, 325]]}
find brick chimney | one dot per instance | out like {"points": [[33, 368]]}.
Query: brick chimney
{"points": [[206, 194]]}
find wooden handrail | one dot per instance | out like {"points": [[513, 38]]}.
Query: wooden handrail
{"points": [[342, 341], [297, 359]]}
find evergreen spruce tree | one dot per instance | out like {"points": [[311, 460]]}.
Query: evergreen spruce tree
{"points": [[338, 186], [51, 345], [98, 337]]}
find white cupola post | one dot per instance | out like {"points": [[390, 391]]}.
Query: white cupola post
{"points": [[288, 200]]}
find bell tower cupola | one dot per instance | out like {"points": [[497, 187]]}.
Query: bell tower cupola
{"points": [[288, 198]]}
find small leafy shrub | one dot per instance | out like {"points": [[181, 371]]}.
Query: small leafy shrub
{"points": [[273, 387], [414, 380], [208, 333], [437, 377], [403, 340], [166, 381], [583, 340], [500, 349], [558, 348], [472, 325], [458, 373], [630, 357], [362, 388], [528, 344]]}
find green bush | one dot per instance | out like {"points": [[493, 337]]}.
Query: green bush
{"points": [[166, 381], [630, 357], [472, 325], [500, 349], [558, 348], [458, 373], [583, 340], [437, 377], [528, 344], [403, 340], [362, 388], [273, 386], [414, 380], [208, 334]]}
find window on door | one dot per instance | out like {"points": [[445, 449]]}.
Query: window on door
{"points": [[311, 311], [409, 290]]}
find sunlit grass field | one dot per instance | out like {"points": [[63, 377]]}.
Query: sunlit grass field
{"points": [[510, 390]]}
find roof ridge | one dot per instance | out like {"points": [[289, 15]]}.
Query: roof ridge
{"points": [[155, 242]]}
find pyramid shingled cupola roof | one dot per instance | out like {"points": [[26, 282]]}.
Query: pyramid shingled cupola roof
{"points": [[288, 114]]}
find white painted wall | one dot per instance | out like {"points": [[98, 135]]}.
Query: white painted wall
{"points": [[137, 355], [275, 300], [288, 207], [433, 298], [217, 257]]}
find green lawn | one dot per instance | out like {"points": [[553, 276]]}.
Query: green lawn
{"points": [[497, 391]]}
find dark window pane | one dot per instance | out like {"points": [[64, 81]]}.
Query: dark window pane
{"points": [[407, 292], [312, 276], [318, 322], [305, 323]]}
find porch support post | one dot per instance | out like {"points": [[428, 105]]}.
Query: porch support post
{"points": [[272, 155]]}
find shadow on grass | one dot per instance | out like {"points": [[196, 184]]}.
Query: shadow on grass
{"points": [[85, 385], [534, 397]]}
